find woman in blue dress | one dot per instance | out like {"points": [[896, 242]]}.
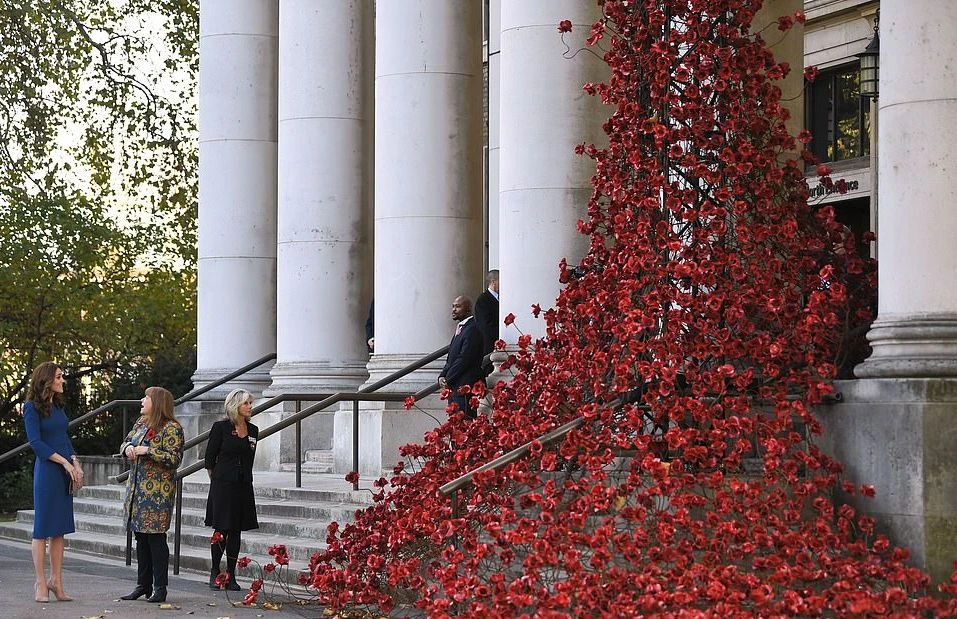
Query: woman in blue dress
{"points": [[56, 472]]}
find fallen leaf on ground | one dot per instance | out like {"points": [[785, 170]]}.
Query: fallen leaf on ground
{"points": [[271, 605]]}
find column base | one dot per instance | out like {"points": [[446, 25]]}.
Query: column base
{"points": [[899, 435], [316, 377], [255, 381], [197, 417], [386, 426], [912, 347]]}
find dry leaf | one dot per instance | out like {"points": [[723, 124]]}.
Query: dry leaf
{"points": [[91, 617], [271, 605], [168, 606]]}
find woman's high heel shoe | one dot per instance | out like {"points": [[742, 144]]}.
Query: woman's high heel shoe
{"points": [[58, 593], [43, 599]]}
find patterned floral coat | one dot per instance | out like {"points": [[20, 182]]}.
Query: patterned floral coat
{"points": [[151, 486]]}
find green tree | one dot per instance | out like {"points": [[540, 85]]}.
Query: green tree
{"points": [[98, 185]]}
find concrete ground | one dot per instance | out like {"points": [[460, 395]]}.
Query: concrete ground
{"points": [[96, 585]]}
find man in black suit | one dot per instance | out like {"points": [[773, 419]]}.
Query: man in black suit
{"points": [[463, 366], [486, 316], [370, 328]]}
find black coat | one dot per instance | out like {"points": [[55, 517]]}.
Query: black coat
{"points": [[486, 319], [463, 366], [231, 505]]}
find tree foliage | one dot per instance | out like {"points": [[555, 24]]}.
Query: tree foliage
{"points": [[98, 183]]}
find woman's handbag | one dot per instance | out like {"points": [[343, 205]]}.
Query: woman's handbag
{"points": [[72, 487]]}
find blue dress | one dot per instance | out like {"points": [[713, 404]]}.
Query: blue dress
{"points": [[52, 501]]}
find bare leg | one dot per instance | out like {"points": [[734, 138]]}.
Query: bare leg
{"points": [[39, 548], [57, 545]]}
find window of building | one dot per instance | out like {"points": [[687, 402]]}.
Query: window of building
{"points": [[839, 120]]}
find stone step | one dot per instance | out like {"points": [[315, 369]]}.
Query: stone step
{"points": [[295, 517], [255, 543], [312, 523], [309, 467], [360, 498], [315, 461], [100, 544], [96, 498]]}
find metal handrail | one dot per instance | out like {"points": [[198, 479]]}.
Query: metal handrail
{"points": [[222, 380], [115, 403], [364, 394], [516, 454], [551, 436], [327, 401], [79, 420]]}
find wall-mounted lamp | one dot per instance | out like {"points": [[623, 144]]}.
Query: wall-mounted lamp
{"points": [[871, 64]]}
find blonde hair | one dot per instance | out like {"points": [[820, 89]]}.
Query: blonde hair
{"points": [[162, 409], [234, 400]]}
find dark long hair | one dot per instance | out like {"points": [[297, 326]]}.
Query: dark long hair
{"points": [[41, 388]]}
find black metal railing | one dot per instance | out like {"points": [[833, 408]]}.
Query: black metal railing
{"points": [[453, 487], [365, 394], [109, 406], [192, 395]]}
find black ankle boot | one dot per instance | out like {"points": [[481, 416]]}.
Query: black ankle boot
{"points": [[232, 585], [213, 575], [137, 593], [159, 595]]}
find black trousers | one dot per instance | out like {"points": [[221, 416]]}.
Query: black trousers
{"points": [[152, 560], [463, 402], [230, 544]]}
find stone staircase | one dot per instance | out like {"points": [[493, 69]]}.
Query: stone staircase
{"points": [[296, 517], [314, 461]]}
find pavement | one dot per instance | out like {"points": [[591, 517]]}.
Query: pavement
{"points": [[96, 584]]}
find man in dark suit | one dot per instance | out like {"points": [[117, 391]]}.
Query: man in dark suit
{"points": [[486, 316], [370, 328], [463, 366]]}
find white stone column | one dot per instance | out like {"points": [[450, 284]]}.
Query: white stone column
{"points": [[324, 259], [544, 186], [428, 211], [915, 334], [325, 194], [494, 129], [237, 188], [895, 427]]}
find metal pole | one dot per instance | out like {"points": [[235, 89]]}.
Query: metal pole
{"points": [[129, 545], [298, 447], [874, 161], [179, 525], [126, 421], [355, 441]]}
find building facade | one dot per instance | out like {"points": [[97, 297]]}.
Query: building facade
{"points": [[395, 151]]}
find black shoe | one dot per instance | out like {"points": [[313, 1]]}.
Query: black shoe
{"points": [[159, 595], [137, 593], [213, 575], [232, 585]]}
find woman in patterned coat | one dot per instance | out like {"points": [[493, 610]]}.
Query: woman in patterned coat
{"points": [[155, 448]]}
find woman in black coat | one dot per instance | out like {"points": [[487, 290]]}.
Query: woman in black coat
{"points": [[231, 507]]}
